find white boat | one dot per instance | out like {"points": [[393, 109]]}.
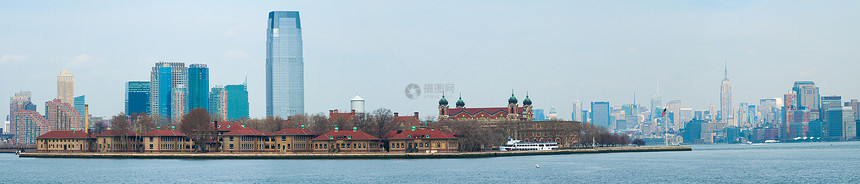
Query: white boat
{"points": [[771, 141], [516, 145]]}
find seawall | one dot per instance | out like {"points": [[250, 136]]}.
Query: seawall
{"points": [[351, 155]]}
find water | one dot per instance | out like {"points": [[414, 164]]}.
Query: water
{"points": [[767, 163]]}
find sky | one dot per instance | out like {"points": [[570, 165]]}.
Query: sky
{"points": [[556, 51]]}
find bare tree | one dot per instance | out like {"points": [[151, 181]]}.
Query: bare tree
{"points": [[120, 123], [195, 125]]}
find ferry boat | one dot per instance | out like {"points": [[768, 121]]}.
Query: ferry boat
{"points": [[516, 145]]}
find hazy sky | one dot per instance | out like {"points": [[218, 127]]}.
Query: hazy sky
{"points": [[558, 51]]}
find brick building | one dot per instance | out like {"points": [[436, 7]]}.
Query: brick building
{"points": [[420, 141], [65, 141], [339, 141]]}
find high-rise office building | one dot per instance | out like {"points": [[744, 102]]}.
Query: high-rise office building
{"points": [[284, 65], [840, 123], [854, 104], [164, 78], [62, 116], [726, 100], [584, 115], [769, 110], [80, 103], [218, 103], [807, 95], [137, 97], [539, 115], [577, 109], [674, 114], [66, 86], [827, 102], [178, 108], [198, 86], [600, 112], [237, 101]]}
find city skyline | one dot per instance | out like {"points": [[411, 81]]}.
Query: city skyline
{"points": [[382, 58]]}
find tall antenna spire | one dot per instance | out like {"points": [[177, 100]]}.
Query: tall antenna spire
{"points": [[634, 95], [726, 74], [658, 87]]}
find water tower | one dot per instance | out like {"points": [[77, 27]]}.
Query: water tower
{"points": [[357, 104]]}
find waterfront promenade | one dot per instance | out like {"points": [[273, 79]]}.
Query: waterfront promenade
{"points": [[352, 155]]}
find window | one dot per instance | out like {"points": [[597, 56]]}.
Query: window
{"points": [[231, 139], [150, 139], [288, 146], [316, 146], [231, 145], [283, 138], [150, 146]]}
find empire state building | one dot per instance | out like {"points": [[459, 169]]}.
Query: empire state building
{"points": [[726, 114]]}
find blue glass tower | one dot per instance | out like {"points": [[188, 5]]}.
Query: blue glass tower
{"points": [[237, 101], [198, 86], [137, 97], [80, 101], [285, 94], [164, 89]]}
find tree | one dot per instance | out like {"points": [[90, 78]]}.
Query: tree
{"points": [[120, 123], [99, 127], [638, 142], [195, 125], [142, 122]]}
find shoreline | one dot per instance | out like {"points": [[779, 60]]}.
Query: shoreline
{"points": [[339, 156]]}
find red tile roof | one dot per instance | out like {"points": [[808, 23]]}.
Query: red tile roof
{"points": [[245, 131], [421, 134], [228, 125], [293, 131], [116, 133], [164, 133], [346, 134], [65, 134], [406, 121], [335, 115]]}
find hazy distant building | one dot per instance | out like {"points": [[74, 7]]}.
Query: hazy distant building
{"points": [[840, 123], [540, 115], [768, 110], [577, 109], [807, 95], [553, 115], [854, 104], [674, 114], [137, 95], [21, 101], [584, 116], [830, 101], [726, 100], [284, 65], [198, 86], [742, 118], [165, 77], [66, 86], [600, 112], [62, 116]]}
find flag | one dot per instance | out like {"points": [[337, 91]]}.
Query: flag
{"points": [[664, 112]]}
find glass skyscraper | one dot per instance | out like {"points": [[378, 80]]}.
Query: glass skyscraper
{"points": [[285, 94], [237, 101], [167, 76], [137, 97], [600, 114], [80, 101], [198, 86]]}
